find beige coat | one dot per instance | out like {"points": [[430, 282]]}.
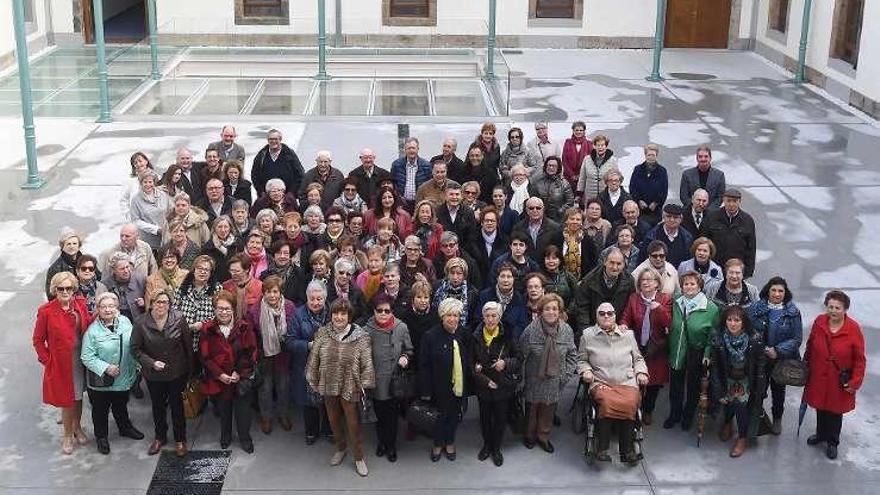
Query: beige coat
{"points": [[668, 277], [155, 283], [613, 358]]}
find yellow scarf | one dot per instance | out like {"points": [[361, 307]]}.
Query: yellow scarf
{"points": [[457, 371], [572, 256], [489, 335]]}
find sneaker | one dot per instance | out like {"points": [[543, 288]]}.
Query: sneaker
{"points": [[361, 467], [337, 458]]}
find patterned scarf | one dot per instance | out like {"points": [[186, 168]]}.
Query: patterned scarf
{"points": [[736, 345], [447, 290], [572, 259], [88, 292]]}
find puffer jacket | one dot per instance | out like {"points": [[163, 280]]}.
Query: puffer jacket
{"points": [[388, 346], [513, 155], [555, 191], [341, 364], [784, 335]]}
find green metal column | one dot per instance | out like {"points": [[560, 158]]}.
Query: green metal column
{"points": [[490, 41], [658, 40], [800, 75], [154, 41], [34, 181], [103, 87], [322, 41]]}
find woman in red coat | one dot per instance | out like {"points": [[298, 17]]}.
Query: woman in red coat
{"points": [[388, 204], [57, 337], [650, 335], [228, 347], [836, 355]]}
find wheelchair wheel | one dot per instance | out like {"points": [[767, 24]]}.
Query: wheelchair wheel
{"points": [[579, 416]]}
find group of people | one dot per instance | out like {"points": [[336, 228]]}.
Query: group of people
{"points": [[503, 275]]}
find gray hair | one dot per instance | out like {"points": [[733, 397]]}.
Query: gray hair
{"points": [[106, 295], [491, 306], [314, 210], [240, 204], [316, 286], [448, 236], [275, 183], [535, 198], [412, 240], [343, 264], [411, 139], [220, 219], [117, 258], [449, 306], [182, 196], [605, 306], [452, 141], [324, 153], [610, 172], [148, 173], [266, 212]]}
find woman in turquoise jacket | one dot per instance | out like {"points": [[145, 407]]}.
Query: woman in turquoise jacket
{"points": [[111, 370]]}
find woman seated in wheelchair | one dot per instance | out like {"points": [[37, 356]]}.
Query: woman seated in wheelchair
{"points": [[610, 362]]}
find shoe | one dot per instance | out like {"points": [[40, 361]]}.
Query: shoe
{"points": [[814, 440], [310, 440], [81, 437], [286, 423], [67, 445], [726, 431], [137, 391], [831, 451], [435, 456], [529, 443], [497, 458], [266, 426], [337, 458], [449, 455], [155, 447], [603, 456], [631, 459], [556, 420], [484, 453], [131, 432], [686, 424], [380, 450], [224, 444], [670, 423], [248, 446], [392, 455], [547, 446], [180, 449], [647, 418], [738, 447], [776, 429], [361, 467], [103, 445]]}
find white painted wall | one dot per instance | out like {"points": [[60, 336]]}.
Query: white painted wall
{"points": [[7, 34]]}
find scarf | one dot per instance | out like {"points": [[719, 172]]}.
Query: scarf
{"points": [[572, 257], [386, 327], [503, 300], [488, 240], [519, 196], [273, 327], [223, 246], [355, 204], [550, 364], [600, 160], [646, 320], [447, 290], [489, 334], [690, 305], [88, 292], [241, 299], [225, 330], [317, 319], [168, 277], [340, 292], [736, 345], [457, 370]]}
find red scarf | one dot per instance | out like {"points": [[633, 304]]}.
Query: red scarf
{"points": [[388, 326]]}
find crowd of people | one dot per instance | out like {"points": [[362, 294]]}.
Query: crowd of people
{"points": [[504, 274]]}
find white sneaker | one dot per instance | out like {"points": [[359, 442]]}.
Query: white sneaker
{"points": [[337, 458], [361, 467]]}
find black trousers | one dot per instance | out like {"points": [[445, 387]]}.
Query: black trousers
{"points": [[239, 408], [102, 403], [650, 399], [493, 420], [625, 434], [386, 422], [444, 432], [684, 387], [164, 396], [828, 426], [741, 412], [776, 390], [316, 422]]}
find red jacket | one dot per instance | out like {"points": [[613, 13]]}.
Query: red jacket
{"points": [[401, 218], [572, 159], [661, 318], [222, 355], [55, 341], [823, 390]]}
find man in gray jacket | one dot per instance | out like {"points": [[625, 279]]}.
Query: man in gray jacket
{"points": [[703, 176]]}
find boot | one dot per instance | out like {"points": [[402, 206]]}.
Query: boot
{"points": [[776, 429], [739, 447], [726, 431]]}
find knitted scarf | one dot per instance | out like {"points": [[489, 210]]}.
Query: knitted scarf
{"points": [[519, 196], [550, 364], [273, 327]]}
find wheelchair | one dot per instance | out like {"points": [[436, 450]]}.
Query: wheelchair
{"points": [[584, 413]]}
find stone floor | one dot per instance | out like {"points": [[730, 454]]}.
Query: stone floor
{"points": [[806, 166]]}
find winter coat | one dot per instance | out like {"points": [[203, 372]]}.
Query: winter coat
{"points": [[547, 234], [148, 214], [299, 334], [717, 292], [220, 354], [613, 358], [592, 292], [630, 260], [754, 368], [515, 318], [520, 154], [613, 212], [195, 222], [693, 332], [465, 224], [341, 365], [713, 273], [101, 348], [677, 249], [253, 291], [690, 182], [242, 190], [433, 233], [221, 261], [172, 345], [332, 186], [824, 391], [733, 237], [556, 193], [288, 203], [591, 180], [562, 283], [589, 253], [418, 324], [129, 293], [287, 168], [549, 390], [387, 347], [650, 185], [398, 174], [572, 159], [491, 160], [486, 174], [360, 310], [504, 347], [656, 352], [668, 277], [435, 364], [368, 185], [484, 258], [282, 359], [55, 341], [785, 334], [64, 263], [141, 257]]}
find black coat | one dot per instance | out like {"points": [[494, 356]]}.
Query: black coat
{"points": [[689, 223], [360, 312], [755, 360], [504, 347], [733, 238], [482, 258], [613, 213], [221, 270], [454, 169], [546, 235], [294, 286], [226, 209], [435, 364], [486, 174], [418, 324], [589, 254], [287, 168], [367, 186], [242, 190], [465, 225], [592, 292]]}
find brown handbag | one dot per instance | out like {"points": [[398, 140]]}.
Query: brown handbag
{"points": [[193, 399], [617, 401]]}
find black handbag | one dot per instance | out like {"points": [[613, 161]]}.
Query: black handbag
{"points": [[366, 411], [403, 383], [423, 416], [791, 372], [94, 380]]}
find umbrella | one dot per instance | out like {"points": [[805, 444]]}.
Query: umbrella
{"points": [[801, 413], [703, 405]]}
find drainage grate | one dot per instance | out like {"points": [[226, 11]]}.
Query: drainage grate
{"points": [[200, 473]]}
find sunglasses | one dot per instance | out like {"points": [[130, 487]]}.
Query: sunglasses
{"points": [[606, 313], [383, 311], [66, 288], [449, 244], [87, 268], [347, 274], [334, 220]]}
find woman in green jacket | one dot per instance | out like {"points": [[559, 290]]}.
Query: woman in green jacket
{"points": [[694, 319], [106, 354]]}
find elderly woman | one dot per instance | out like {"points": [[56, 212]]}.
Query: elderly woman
{"points": [[777, 320], [613, 197], [281, 265], [594, 167], [276, 199], [348, 248], [414, 266], [443, 360], [836, 354], [550, 186], [388, 204], [549, 357], [596, 227], [314, 194], [455, 285], [733, 290], [307, 319], [170, 275], [656, 261], [559, 281], [229, 349], [392, 353], [610, 362], [70, 243], [535, 284], [181, 244], [162, 343], [427, 229], [354, 223], [314, 223], [495, 363], [387, 240], [648, 313], [575, 150], [242, 223], [579, 252], [234, 183], [737, 375], [470, 197], [513, 313], [106, 354], [335, 219], [349, 200], [266, 222], [194, 220], [270, 319], [87, 279], [625, 240], [516, 152], [343, 287], [254, 248], [222, 246], [518, 189], [649, 185], [694, 318], [703, 250], [148, 209], [57, 340], [319, 264], [340, 369]]}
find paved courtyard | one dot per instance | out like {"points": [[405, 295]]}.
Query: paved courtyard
{"points": [[807, 168]]}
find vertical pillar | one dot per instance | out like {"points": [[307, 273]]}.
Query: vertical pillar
{"points": [[103, 86], [490, 41], [659, 30], [800, 75], [322, 41], [154, 41], [337, 33], [34, 181]]}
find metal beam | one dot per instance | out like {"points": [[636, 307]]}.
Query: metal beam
{"points": [[800, 75], [322, 41], [34, 181], [154, 41], [659, 31], [103, 85], [490, 41]]}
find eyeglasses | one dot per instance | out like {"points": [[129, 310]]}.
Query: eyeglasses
{"points": [[66, 288], [202, 269], [449, 244], [334, 220], [350, 189], [88, 268], [347, 274], [383, 311], [658, 256], [223, 310], [515, 137], [534, 208], [161, 302], [606, 313], [471, 193], [410, 248]]}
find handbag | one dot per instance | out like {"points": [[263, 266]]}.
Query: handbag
{"points": [[423, 416], [366, 411], [403, 383], [843, 376], [792, 372], [193, 399], [94, 380]]}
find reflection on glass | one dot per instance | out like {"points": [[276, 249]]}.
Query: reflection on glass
{"points": [[225, 96], [459, 98], [165, 97], [401, 98], [283, 97], [341, 97]]}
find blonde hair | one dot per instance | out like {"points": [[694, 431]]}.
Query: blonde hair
{"points": [[60, 277]]}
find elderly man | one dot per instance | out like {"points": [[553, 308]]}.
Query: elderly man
{"points": [[435, 189], [678, 240], [542, 146], [325, 174], [227, 147], [276, 160], [632, 216], [609, 283], [190, 179], [138, 252], [368, 176], [410, 170], [127, 284], [454, 164], [703, 176], [733, 232], [695, 217], [456, 217], [215, 202], [539, 229]]}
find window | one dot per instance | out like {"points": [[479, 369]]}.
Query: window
{"points": [[273, 12], [556, 13], [847, 30], [554, 9], [410, 8], [409, 12], [779, 15]]}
